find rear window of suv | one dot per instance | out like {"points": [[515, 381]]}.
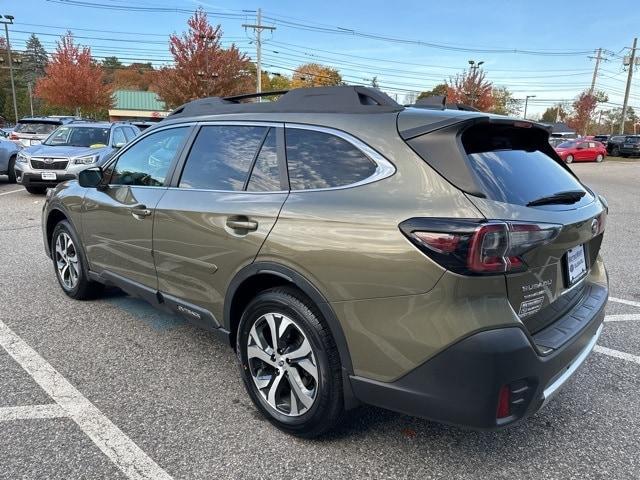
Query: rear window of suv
{"points": [[38, 128], [512, 166]]}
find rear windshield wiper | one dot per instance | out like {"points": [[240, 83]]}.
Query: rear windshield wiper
{"points": [[568, 197]]}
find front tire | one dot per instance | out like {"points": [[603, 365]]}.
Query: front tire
{"points": [[569, 159], [615, 151], [70, 264], [11, 171], [289, 363]]}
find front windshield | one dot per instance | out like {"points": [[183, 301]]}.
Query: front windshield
{"points": [[632, 140], [567, 145], [68, 136]]}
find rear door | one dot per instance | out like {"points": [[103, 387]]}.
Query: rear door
{"points": [[583, 152], [118, 217], [214, 218]]}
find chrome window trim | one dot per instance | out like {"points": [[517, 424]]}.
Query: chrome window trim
{"points": [[384, 168]]}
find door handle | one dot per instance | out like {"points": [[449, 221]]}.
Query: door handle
{"points": [[242, 224], [140, 211]]}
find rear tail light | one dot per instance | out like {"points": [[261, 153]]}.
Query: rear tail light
{"points": [[472, 248], [13, 136]]}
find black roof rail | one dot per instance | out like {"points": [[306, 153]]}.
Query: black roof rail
{"points": [[342, 99]]}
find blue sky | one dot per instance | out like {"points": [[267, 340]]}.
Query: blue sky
{"points": [[324, 32]]}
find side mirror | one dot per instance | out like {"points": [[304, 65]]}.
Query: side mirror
{"points": [[90, 177], [119, 145]]}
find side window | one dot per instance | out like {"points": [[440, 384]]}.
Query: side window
{"points": [[221, 157], [118, 137], [130, 133], [583, 145], [321, 160], [265, 175], [147, 161]]}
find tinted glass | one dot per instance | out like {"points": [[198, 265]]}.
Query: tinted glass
{"points": [[40, 128], [567, 145], [221, 157], [321, 160], [520, 176], [118, 137], [68, 136], [129, 132], [147, 161], [266, 175], [632, 140]]}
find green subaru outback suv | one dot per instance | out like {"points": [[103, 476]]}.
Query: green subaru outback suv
{"points": [[437, 262]]}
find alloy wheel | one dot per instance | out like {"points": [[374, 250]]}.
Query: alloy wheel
{"points": [[67, 262], [282, 364]]}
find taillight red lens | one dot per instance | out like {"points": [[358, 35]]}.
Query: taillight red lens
{"points": [[504, 402], [469, 247], [439, 242], [13, 136], [488, 249]]}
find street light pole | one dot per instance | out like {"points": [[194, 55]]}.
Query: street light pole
{"points": [[526, 102], [8, 20]]}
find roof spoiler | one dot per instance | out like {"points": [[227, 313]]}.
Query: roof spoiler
{"points": [[440, 102]]}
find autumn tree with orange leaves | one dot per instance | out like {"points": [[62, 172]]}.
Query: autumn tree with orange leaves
{"points": [[584, 108], [471, 88], [73, 81], [203, 67]]}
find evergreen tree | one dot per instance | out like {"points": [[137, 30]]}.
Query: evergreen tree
{"points": [[34, 60]]}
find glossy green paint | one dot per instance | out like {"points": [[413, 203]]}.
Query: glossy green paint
{"points": [[397, 308]]}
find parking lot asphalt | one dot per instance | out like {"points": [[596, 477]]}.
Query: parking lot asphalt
{"points": [[146, 395]]}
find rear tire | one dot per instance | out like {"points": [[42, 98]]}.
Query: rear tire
{"points": [[296, 383], [569, 159], [11, 171], [599, 158], [36, 190], [71, 265]]}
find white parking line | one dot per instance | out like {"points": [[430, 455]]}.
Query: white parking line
{"points": [[627, 317], [120, 449], [626, 302], [617, 354], [12, 191], [28, 412]]}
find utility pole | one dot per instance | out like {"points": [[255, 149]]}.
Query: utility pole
{"points": [[30, 97], [632, 60], [8, 20], [598, 57], [258, 28], [526, 102]]}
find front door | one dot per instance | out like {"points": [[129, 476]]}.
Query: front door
{"points": [[215, 218], [118, 217]]}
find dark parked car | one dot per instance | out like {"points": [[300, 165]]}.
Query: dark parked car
{"points": [[631, 146], [614, 143], [601, 138]]}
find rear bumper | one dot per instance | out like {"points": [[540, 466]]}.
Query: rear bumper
{"points": [[461, 384]]}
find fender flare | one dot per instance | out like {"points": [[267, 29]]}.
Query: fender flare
{"points": [[307, 288]]}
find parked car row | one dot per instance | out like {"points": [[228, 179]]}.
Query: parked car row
{"points": [[42, 152], [596, 147]]}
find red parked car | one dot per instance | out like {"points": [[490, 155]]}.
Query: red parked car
{"points": [[581, 151]]}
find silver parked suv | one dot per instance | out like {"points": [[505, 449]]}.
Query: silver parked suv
{"points": [[68, 150]]}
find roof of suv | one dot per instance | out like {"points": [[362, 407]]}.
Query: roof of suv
{"points": [[336, 100]]}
